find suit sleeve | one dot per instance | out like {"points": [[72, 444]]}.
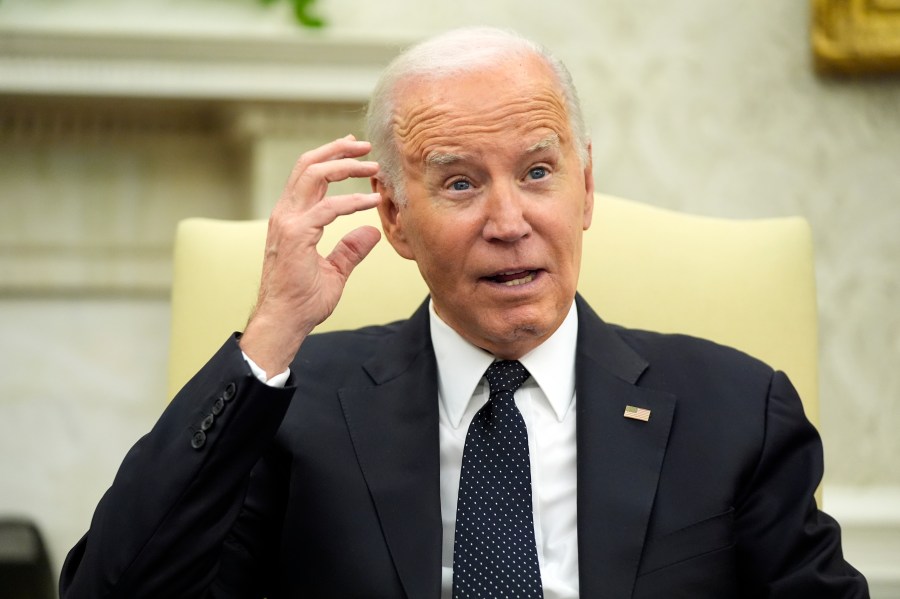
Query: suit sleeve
{"points": [[167, 524], [788, 547]]}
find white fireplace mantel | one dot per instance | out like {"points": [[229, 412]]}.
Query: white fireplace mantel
{"points": [[107, 139], [313, 68]]}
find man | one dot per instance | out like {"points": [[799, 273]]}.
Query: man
{"points": [[393, 462]]}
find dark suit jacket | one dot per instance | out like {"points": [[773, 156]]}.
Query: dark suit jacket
{"points": [[336, 492]]}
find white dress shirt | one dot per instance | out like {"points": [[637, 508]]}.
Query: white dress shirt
{"points": [[547, 404]]}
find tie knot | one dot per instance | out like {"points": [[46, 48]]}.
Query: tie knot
{"points": [[506, 375]]}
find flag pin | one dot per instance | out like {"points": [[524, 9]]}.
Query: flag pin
{"points": [[637, 413]]}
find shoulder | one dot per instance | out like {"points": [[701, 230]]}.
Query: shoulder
{"points": [[687, 352], [677, 357], [668, 362]]}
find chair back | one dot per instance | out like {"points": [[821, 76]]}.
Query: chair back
{"points": [[744, 283]]}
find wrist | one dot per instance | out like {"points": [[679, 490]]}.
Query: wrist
{"points": [[272, 343]]}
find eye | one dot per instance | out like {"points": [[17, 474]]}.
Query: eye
{"points": [[538, 172], [460, 185]]}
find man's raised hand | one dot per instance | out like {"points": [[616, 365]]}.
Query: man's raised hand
{"points": [[299, 287]]}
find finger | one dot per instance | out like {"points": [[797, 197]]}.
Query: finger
{"points": [[345, 147], [311, 187], [325, 212], [353, 248], [338, 170]]}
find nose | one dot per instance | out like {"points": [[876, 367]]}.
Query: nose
{"points": [[505, 218]]}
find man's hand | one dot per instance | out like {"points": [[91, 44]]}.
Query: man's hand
{"points": [[299, 287]]}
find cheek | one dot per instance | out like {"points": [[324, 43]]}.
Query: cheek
{"points": [[446, 257], [562, 238], [440, 250], [446, 235]]}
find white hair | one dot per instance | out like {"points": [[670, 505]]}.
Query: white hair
{"points": [[457, 51]]}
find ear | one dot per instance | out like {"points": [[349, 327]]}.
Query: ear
{"points": [[588, 190], [392, 220]]}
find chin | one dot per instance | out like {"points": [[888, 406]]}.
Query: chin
{"points": [[521, 331]]}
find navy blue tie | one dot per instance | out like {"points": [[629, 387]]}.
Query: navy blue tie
{"points": [[494, 551]]}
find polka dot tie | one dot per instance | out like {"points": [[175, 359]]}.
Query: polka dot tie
{"points": [[494, 552]]}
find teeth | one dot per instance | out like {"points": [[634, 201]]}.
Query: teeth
{"points": [[526, 279]]}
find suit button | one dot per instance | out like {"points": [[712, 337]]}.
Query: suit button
{"points": [[230, 389], [198, 440], [207, 422], [218, 406]]}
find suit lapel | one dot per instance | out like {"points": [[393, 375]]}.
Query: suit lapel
{"points": [[619, 459], [393, 425]]}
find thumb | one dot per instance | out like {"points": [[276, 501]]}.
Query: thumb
{"points": [[353, 248]]}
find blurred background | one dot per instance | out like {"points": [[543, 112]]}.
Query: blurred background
{"points": [[120, 117]]}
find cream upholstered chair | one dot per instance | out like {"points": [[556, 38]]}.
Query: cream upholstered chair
{"points": [[744, 283]]}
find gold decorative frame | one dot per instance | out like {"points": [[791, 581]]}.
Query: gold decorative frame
{"points": [[855, 37]]}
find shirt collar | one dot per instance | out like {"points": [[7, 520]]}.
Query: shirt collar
{"points": [[461, 365]]}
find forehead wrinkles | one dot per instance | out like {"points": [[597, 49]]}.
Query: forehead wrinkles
{"points": [[426, 125]]}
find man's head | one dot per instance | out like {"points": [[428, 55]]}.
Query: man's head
{"points": [[486, 175], [455, 53]]}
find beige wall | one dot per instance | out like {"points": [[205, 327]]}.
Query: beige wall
{"points": [[708, 106]]}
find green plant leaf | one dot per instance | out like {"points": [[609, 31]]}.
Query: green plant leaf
{"points": [[301, 12], [302, 15]]}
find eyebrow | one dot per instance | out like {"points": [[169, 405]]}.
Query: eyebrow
{"points": [[549, 142], [445, 158], [441, 158]]}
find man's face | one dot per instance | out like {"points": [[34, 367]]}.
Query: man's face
{"points": [[497, 200]]}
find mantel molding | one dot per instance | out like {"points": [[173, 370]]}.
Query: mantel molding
{"points": [[110, 138], [870, 524], [317, 68]]}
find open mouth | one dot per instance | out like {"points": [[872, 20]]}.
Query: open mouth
{"points": [[514, 278]]}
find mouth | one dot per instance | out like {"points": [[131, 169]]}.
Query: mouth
{"points": [[513, 278]]}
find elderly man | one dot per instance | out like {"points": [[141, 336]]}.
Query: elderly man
{"points": [[478, 449]]}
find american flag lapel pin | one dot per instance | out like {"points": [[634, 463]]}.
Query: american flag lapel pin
{"points": [[637, 413]]}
